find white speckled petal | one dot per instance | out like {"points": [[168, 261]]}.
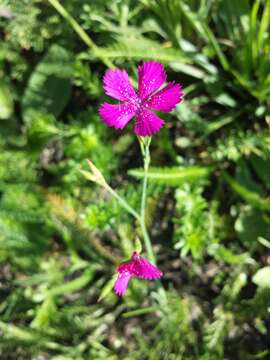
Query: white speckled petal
{"points": [[166, 99], [151, 76], [147, 123], [116, 115], [117, 85]]}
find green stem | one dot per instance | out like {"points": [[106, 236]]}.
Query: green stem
{"points": [[122, 202], [145, 144], [80, 31]]}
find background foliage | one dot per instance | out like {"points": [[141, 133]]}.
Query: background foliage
{"points": [[209, 198]]}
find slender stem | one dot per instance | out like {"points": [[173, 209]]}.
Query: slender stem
{"points": [[122, 202], [145, 144], [80, 31]]}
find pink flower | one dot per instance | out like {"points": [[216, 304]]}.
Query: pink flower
{"points": [[141, 103], [138, 267]]}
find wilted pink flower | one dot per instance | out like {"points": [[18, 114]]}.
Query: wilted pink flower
{"points": [[138, 267], [141, 103]]}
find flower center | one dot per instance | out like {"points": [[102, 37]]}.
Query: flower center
{"points": [[138, 103]]}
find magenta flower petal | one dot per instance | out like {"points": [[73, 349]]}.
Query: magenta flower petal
{"points": [[151, 76], [147, 123], [138, 267], [166, 99], [145, 270], [117, 115], [117, 85], [121, 283]]}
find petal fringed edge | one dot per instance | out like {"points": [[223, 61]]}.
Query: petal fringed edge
{"points": [[151, 75], [121, 283], [147, 123], [116, 115], [167, 98], [116, 84], [145, 270]]}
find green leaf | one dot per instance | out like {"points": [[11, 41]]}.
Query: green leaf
{"points": [[143, 311], [262, 168], [187, 69], [205, 32], [264, 24], [44, 313], [250, 196], [173, 176], [107, 288], [250, 226], [243, 176], [222, 121], [73, 285], [88, 175], [138, 245], [49, 86], [21, 334], [141, 49], [223, 254], [216, 89], [6, 102], [262, 277]]}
